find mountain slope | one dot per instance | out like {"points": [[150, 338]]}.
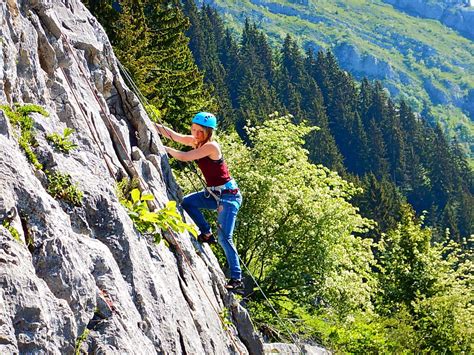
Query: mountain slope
{"points": [[457, 14], [428, 64]]}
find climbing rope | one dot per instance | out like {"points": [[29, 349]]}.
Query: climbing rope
{"points": [[94, 138], [292, 336]]}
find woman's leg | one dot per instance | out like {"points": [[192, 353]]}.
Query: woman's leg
{"points": [[195, 201], [227, 214]]}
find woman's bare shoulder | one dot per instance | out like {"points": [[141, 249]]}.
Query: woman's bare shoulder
{"points": [[215, 149]]}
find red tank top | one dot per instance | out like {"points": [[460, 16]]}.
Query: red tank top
{"points": [[215, 172]]}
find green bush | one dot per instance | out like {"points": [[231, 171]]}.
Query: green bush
{"points": [[62, 142], [151, 223], [20, 119], [60, 186], [12, 230]]}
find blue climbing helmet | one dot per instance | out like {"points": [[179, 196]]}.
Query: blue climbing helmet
{"points": [[205, 119]]}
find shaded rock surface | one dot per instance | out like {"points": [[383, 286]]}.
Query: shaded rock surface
{"points": [[80, 278]]}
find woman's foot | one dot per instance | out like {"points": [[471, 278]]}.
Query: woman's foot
{"points": [[235, 285], [207, 238]]}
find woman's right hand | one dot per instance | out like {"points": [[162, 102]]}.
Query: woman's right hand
{"points": [[161, 129]]}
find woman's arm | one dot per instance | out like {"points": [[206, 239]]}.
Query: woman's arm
{"points": [[177, 137], [195, 154]]}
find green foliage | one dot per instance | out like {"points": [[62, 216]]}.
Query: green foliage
{"points": [[150, 223], [60, 186], [20, 119], [380, 201], [26, 109], [428, 288], [155, 114], [62, 142], [295, 227], [224, 316], [124, 187], [420, 50], [82, 338], [148, 38], [408, 263], [12, 230]]}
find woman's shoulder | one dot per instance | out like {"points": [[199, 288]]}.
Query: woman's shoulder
{"points": [[213, 144], [215, 150]]}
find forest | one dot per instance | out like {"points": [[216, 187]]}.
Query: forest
{"points": [[357, 215]]}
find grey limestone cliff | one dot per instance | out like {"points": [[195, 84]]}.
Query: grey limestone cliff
{"points": [[73, 268]]}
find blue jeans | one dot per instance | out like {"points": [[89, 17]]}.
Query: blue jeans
{"points": [[227, 214]]}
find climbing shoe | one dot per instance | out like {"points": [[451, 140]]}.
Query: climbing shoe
{"points": [[207, 239], [235, 285]]}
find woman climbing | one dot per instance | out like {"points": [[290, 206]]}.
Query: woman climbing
{"points": [[221, 192]]}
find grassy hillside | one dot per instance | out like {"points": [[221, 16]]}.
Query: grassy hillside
{"points": [[419, 59]]}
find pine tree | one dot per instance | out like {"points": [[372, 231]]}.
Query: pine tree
{"points": [[206, 35], [178, 85], [231, 60], [381, 202], [106, 14], [378, 151], [148, 38], [321, 144], [364, 101], [257, 97]]}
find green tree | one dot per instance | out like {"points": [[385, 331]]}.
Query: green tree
{"points": [[381, 202], [178, 85], [257, 97], [206, 34], [296, 226], [428, 288], [148, 38]]}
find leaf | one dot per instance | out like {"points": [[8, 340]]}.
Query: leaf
{"points": [[135, 194], [147, 197], [171, 205], [149, 217]]}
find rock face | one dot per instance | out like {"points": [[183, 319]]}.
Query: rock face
{"points": [[73, 268], [292, 349], [351, 59], [457, 14]]}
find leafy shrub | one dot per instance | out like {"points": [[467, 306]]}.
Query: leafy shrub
{"points": [[62, 142], [428, 288], [151, 223], [60, 186], [124, 187], [20, 119], [30, 108], [225, 318], [80, 339], [12, 230]]}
